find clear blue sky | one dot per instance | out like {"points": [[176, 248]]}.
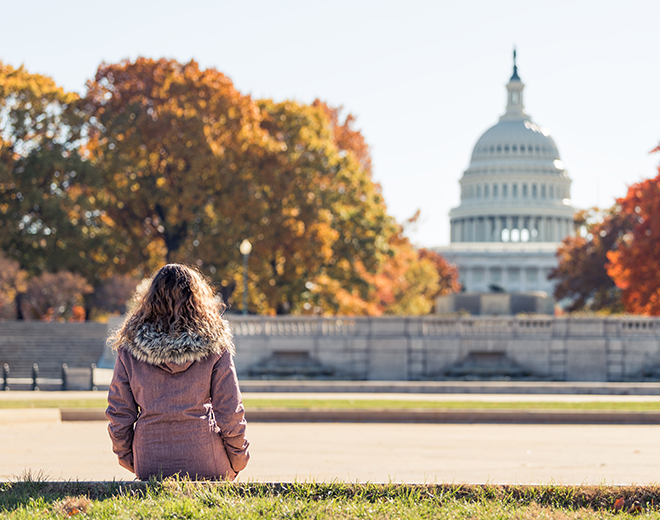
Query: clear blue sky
{"points": [[424, 78]]}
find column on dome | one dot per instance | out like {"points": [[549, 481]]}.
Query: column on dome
{"points": [[551, 226], [509, 225], [498, 229]]}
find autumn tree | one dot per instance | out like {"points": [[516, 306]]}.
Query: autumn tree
{"points": [[345, 136], [581, 275], [317, 221], [12, 284], [175, 146], [56, 297], [46, 221], [112, 295], [633, 265], [448, 277]]}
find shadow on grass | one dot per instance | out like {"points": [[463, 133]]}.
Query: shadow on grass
{"points": [[24, 491]]}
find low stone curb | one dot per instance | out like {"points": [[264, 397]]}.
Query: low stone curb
{"points": [[421, 416], [452, 387]]}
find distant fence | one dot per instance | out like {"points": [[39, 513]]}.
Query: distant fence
{"points": [[70, 379]]}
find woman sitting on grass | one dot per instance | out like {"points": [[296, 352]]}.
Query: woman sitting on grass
{"points": [[174, 404]]}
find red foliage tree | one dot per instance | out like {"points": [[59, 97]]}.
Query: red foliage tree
{"points": [[56, 297], [634, 263], [581, 275]]}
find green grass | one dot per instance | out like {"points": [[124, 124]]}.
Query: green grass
{"points": [[391, 404], [174, 498], [365, 404], [53, 403]]}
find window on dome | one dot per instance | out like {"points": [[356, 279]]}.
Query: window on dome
{"points": [[515, 235], [543, 191], [506, 147], [552, 191], [524, 235], [478, 191], [514, 190], [486, 191], [524, 191], [537, 149], [492, 149], [495, 191], [505, 189], [522, 148], [534, 191], [514, 148], [499, 148], [505, 235]]}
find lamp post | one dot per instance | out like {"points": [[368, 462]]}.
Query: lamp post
{"points": [[245, 248]]}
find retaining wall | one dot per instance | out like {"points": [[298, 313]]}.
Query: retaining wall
{"points": [[419, 348], [383, 348]]}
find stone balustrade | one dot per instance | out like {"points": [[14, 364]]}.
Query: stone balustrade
{"points": [[427, 347], [384, 348]]}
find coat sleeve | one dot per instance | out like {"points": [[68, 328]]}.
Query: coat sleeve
{"points": [[122, 413], [229, 412]]}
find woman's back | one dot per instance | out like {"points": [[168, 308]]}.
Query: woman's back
{"points": [[174, 403]]}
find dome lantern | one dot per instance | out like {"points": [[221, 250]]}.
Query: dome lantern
{"points": [[515, 109]]}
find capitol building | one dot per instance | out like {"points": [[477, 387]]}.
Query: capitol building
{"points": [[515, 205]]}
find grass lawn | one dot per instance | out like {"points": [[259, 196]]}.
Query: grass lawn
{"points": [[362, 404], [174, 498]]}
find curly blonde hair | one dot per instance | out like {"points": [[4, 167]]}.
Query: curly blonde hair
{"points": [[178, 299]]}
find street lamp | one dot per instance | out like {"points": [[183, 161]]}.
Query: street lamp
{"points": [[245, 248]]}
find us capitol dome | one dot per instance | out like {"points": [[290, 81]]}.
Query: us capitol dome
{"points": [[515, 205]]}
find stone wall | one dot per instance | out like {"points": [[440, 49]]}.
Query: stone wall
{"points": [[385, 348], [429, 347], [23, 343]]}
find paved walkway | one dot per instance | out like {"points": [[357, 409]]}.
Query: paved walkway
{"points": [[524, 454]]}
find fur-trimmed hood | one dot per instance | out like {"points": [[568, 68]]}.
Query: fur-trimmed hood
{"points": [[156, 348]]}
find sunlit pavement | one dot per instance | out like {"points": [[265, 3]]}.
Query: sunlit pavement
{"points": [[523, 454]]}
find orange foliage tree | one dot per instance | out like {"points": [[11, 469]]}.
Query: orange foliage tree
{"points": [[175, 146], [447, 273], [633, 265]]}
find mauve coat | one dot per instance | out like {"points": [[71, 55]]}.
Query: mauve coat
{"points": [[186, 417]]}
